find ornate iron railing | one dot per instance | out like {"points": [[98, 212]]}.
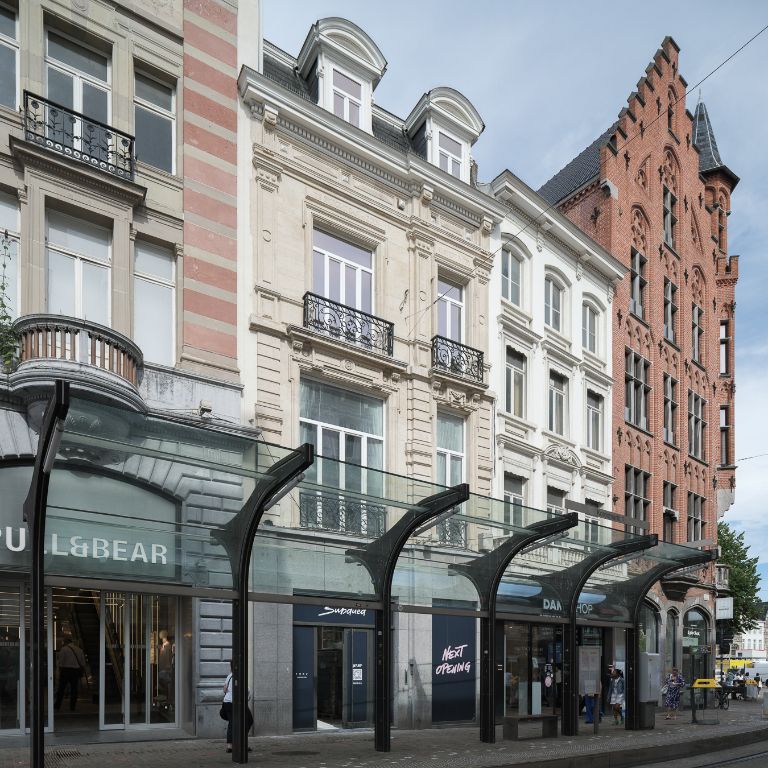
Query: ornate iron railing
{"points": [[77, 136], [456, 358], [347, 324], [452, 532], [336, 512]]}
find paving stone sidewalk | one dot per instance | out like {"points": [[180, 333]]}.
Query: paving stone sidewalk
{"points": [[439, 747]]}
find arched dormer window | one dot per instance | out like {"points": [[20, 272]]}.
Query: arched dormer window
{"points": [[512, 276], [554, 303]]}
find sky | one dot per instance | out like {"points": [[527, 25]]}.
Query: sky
{"points": [[548, 78]]}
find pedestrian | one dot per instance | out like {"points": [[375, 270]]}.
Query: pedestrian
{"points": [[674, 688], [71, 668], [616, 695], [759, 681], [226, 709]]}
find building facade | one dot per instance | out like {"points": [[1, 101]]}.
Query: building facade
{"points": [[653, 190]]}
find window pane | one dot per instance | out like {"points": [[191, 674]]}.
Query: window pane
{"points": [[347, 84], [90, 62], [94, 105], [61, 284], [342, 248], [455, 333], [79, 236], [8, 80], [354, 114], [449, 290], [450, 433], [332, 405], [442, 318], [60, 88], [156, 93], [338, 105], [154, 139], [514, 279], [9, 262], [441, 477], [366, 294], [9, 212], [443, 162], [150, 259], [350, 287], [449, 144], [95, 293], [456, 470], [318, 273], [7, 23], [153, 321]]}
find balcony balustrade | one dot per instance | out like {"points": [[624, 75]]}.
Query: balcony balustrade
{"points": [[347, 324], [456, 358], [452, 533], [336, 512], [78, 137]]}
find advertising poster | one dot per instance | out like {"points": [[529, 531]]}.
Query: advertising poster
{"points": [[454, 668]]}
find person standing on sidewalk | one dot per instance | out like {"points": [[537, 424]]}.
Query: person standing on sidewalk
{"points": [[674, 686], [616, 695], [226, 708], [71, 667]]}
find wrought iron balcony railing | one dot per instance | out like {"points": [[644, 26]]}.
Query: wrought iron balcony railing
{"points": [[346, 324], [452, 533], [78, 137], [335, 512], [456, 358]]}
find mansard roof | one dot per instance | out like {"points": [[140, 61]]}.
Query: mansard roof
{"points": [[704, 140]]}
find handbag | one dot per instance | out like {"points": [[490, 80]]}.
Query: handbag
{"points": [[664, 689], [223, 713]]}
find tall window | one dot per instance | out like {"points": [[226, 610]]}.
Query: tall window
{"points": [[637, 389], [592, 521], [725, 347], [697, 332], [558, 393], [79, 257], [696, 426], [670, 410], [514, 499], [696, 523], [589, 328], [449, 154], [670, 511], [154, 299], [637, 487], [155, 122], [725, 436], [347, 98], [555, 501], [9, 249], [553, 304], [342, 272], [594, 420], [450, 471], [670, 217], [450, 310], [78, 79], [346, 427], [9, 57], [511, 270], [721, 225], [670, 310], [515, 383], [637, 284]]}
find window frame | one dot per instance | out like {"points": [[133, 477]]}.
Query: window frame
{"points": [[725, 435], [512, 375], [556, 396], [697, 333], [345, 263], [638, 283], [553, 509], [508, 256], [670, 409], [594, 432], [15, 45], [669, 203], [634, 501], [514, 502], [725, 347], [697, 426], [14, 236], [346, 96], [637, 391], [670, 512], [670, 311], [452, 160], [154, 108], [451, 454], [552, 284], [443, 298], [589, 311], [164, 283], [696, 517]]}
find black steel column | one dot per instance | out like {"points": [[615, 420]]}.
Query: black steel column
{"points": [[632, 720], [488, 677], [570, 717], [35, 507]]}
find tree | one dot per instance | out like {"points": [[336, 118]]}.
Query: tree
{"points": [[744, 580]]}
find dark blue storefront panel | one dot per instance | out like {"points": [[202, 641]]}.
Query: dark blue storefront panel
{"points": [[357, 673], [303, 677], [453, 668]]}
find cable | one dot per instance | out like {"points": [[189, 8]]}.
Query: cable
{"points": [[747, 458]]}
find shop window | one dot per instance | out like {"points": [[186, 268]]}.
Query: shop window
{"points": [[670, 640], [514, 401], [155, 122], [9, 251], [154, 301], [696, 660], [9, 58]]}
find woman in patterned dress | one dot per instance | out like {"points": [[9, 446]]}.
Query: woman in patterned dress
{"points": [[674, 685]]}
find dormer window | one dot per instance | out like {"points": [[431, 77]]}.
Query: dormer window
{"points": [[449, 154], [347, 98]]}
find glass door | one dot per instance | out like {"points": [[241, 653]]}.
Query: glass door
{"points": [[10, 658], [546, 668], [112, 682], [357, 680]]}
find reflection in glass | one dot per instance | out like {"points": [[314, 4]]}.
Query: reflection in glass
{"points": [[10, 620]]}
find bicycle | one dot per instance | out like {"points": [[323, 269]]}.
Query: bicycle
{"points": [[723, 698]]}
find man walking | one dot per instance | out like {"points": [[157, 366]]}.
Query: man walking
{"points": [[71, 667]]}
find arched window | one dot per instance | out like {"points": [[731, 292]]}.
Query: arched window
{"points": [[590, 319], [670, 640], [695, 645], [648, 629], [511, 276], [554, 296]]}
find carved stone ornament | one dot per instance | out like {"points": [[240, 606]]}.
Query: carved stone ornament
{"points": [[270, 116], [563, 454], [427, 193]]}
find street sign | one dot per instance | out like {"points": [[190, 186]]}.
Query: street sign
{"points": [[723, 608]]}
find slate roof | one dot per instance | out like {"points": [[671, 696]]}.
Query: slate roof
{"points": [[704, 139], [584, 167]]}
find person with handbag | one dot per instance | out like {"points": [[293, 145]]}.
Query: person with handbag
{"points": [[616, 693], [226, 708], [672, 689], [71, 668]]}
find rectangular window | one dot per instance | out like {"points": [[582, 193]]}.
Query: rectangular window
{"points": [[670, 511], [670, 310], [592, 521], [342, 272], [696, 522], [725, 347], [696, 426], [514, 401], [558, 393], [9, 250], [450, 472], [697, 332], [450, 310], [154, 301], [637, 284], [637, 502], [553, 301], [155, 122], [725, 436], [449, 154], [347, 98], [670, 217], [511, 268], [9, 58], [670, 410], [555, 501], [514, 500], [589, 328], [594, 420], [638, 391]]}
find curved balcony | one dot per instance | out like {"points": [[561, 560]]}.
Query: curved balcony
{"points": [[457, 359], [92, 355]]}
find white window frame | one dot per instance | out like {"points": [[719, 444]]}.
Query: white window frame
{"points": [[514, 503], [150, 107], [165, 283], [595, 431], [449, 454], [452, 160], [13, 44], [508, 256], [328, 257], [514, 376], [442, 297], [552, 509], [14, 235], [552, 284], [557, 397], [590, 312], [347, 97]]}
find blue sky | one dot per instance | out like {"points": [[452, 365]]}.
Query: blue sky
{"points": [[548, 78]]}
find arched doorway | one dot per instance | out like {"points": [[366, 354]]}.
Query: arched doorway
{"points": [[696, 660]]}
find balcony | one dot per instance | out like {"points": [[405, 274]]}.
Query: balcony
{"points": [[452, 533], [77, 137], [352, 326], [92, 355], [335, 512], [457, 359]]}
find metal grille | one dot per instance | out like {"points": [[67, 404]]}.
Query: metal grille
{"points": [[334, 512], [452, 532], [448, 355]]}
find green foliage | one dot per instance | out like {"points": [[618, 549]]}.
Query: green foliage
{"points": [[744, 579], [9, 342]]}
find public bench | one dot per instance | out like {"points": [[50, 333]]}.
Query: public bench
{"points": [[548, 725]]}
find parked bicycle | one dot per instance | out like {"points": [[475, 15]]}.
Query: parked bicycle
{"points": [[723, 698]]}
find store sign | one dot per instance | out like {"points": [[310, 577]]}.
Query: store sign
{"points": [[453, 668], [330, 614], [723, 608], [555, 606]]}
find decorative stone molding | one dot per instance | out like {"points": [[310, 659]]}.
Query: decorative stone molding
{"points": [[561, 453], [486, 225], [270, 117], [427, 194]]}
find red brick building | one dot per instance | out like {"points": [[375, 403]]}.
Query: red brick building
{"points": [[654, 191]]}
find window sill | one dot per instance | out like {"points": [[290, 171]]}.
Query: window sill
{"points": [[150, 172], [671, 445], [725, 375], [516, 311], [703, 462], [592, 358], [558, 438], [672, 134], [670, 248], [671, 343], [639, 429], [640, 320], [726, 467], [699, 365]]}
